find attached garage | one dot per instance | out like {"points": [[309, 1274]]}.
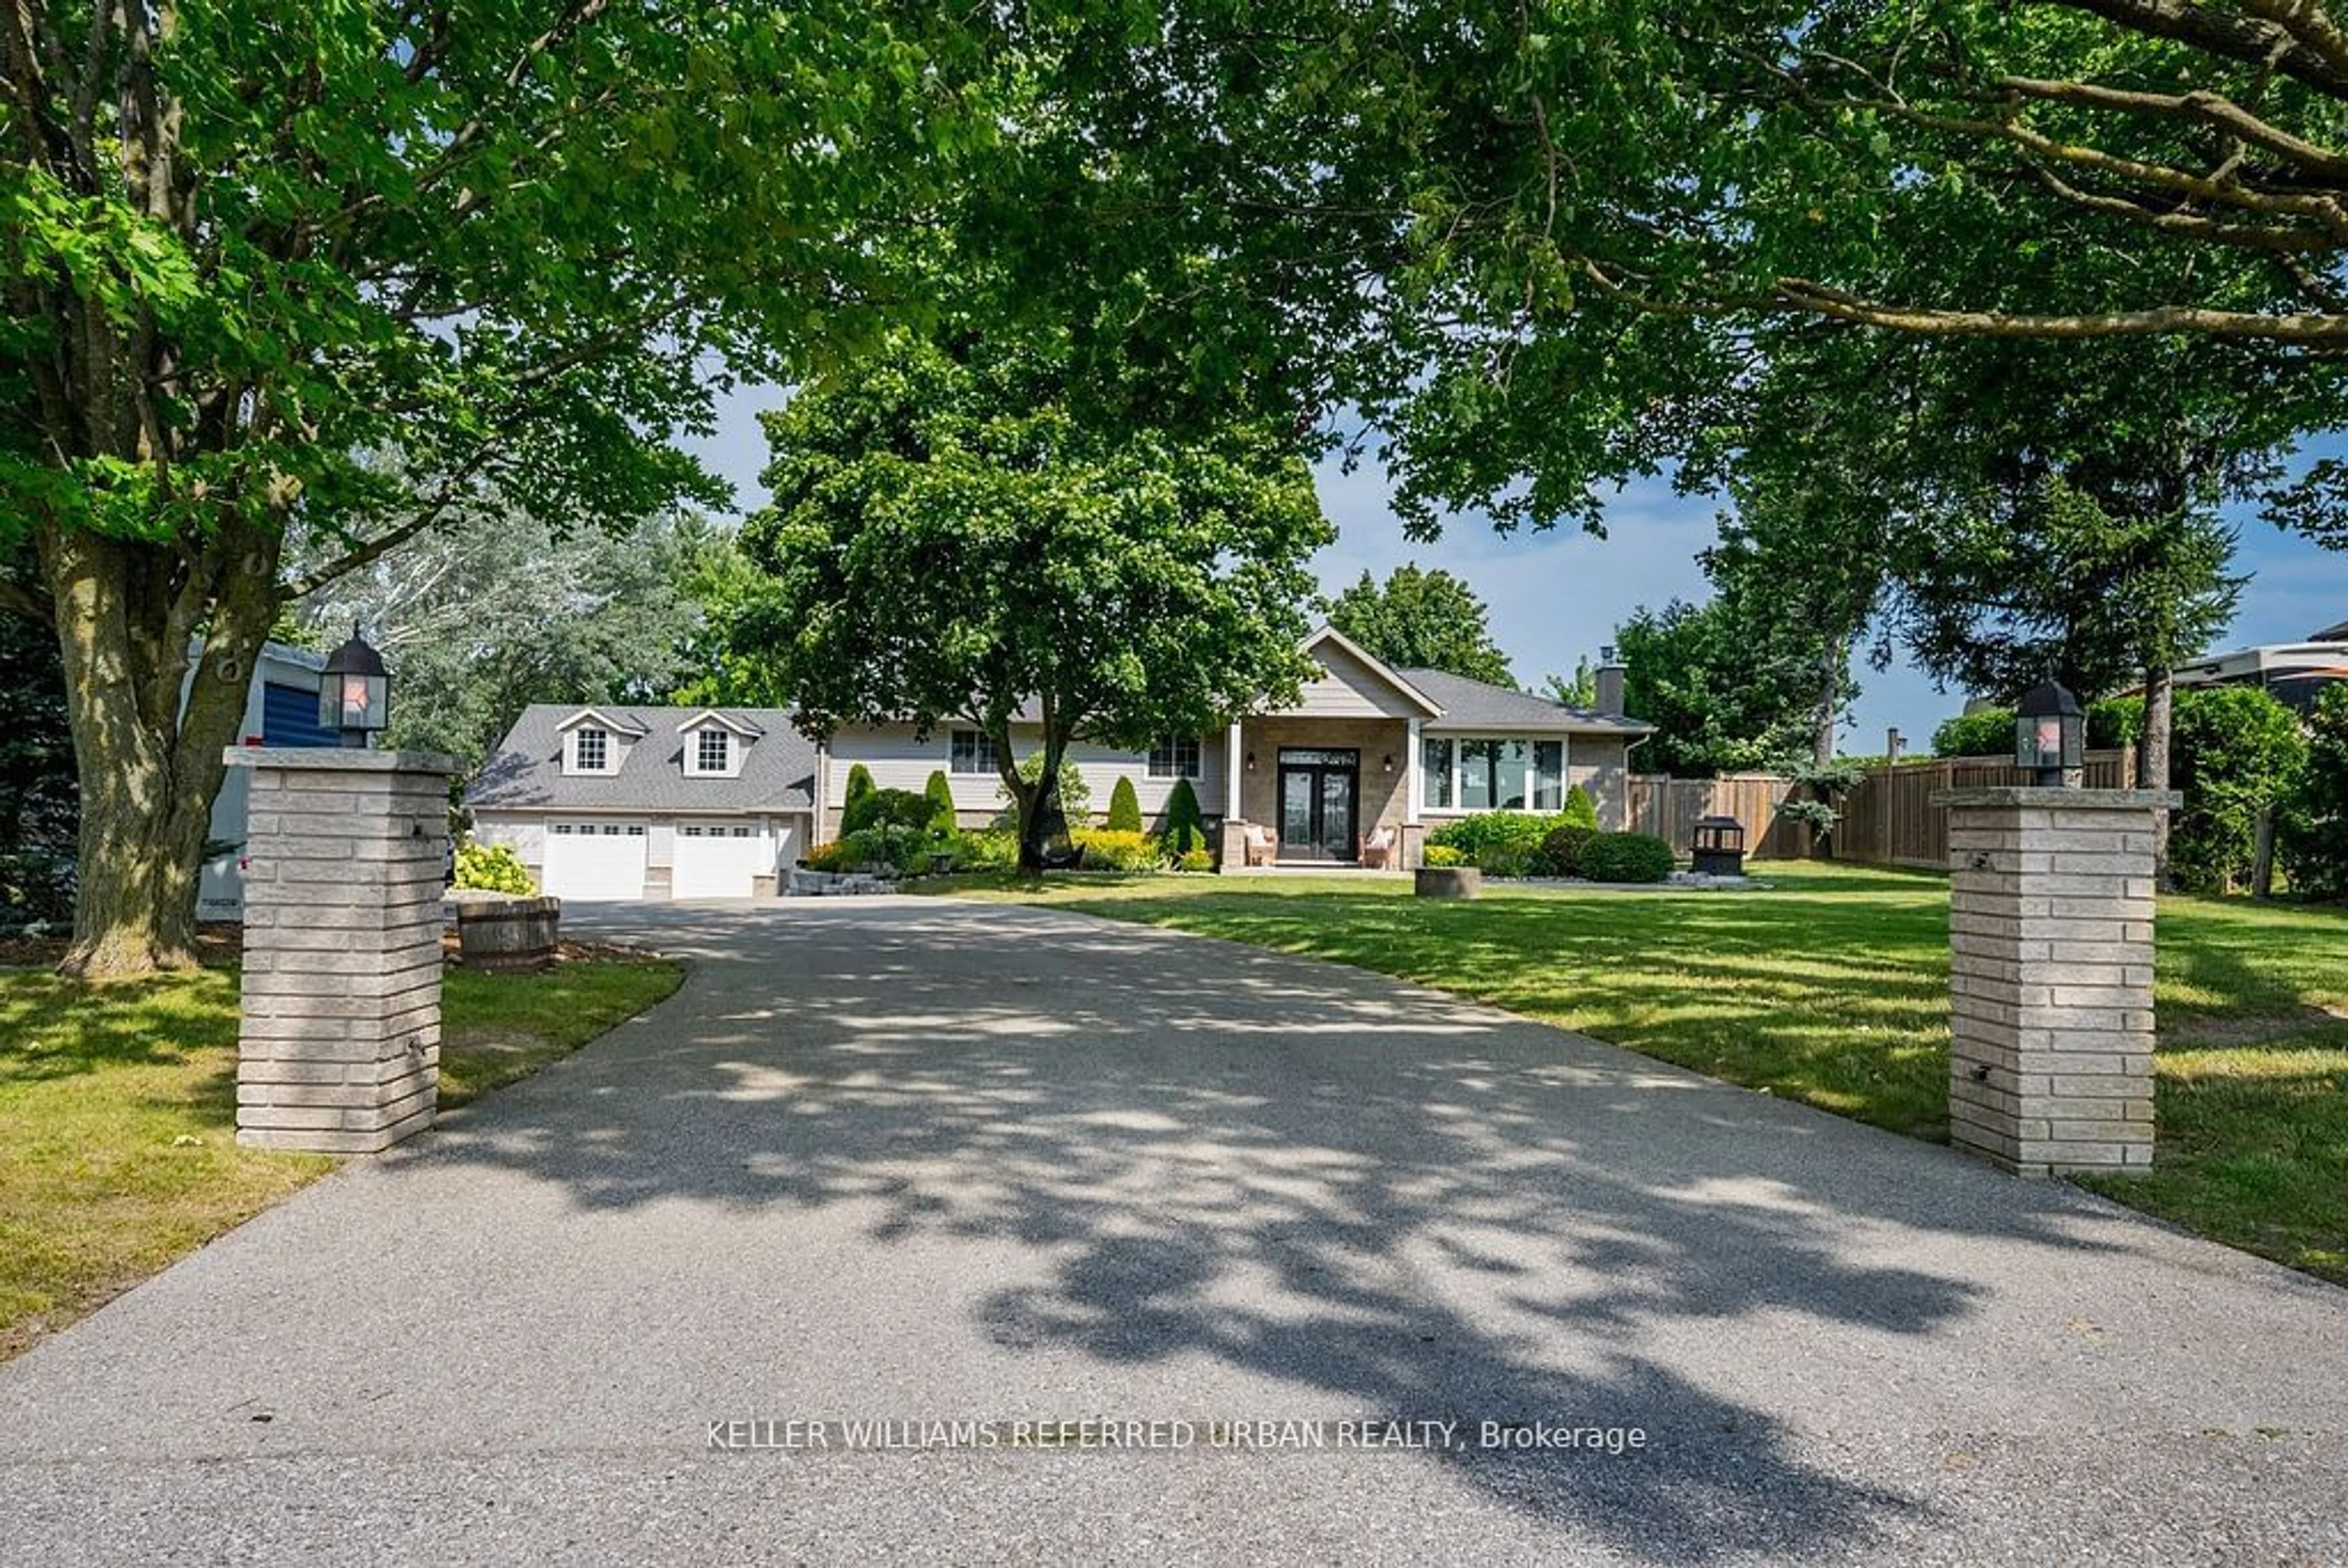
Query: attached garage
{"points": [[595, 860], [719, 859]]}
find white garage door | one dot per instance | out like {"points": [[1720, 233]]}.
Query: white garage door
{"points": [[718, 859], [591, 860]]}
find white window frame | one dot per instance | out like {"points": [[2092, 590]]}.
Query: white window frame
{"points": [[985, 757], [603, 750], [1454, 752], [697, 760], [1169, 754]]}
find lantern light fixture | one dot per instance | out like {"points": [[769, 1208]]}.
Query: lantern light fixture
{"points": [[2050, 734], [355, 694]]}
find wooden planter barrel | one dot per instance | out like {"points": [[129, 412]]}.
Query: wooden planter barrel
{"points": [[1447, 882], [498, 932]]}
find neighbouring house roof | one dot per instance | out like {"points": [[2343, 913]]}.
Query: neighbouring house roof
{"points": [[1470, 705], [2331, 634], [526, 772]]}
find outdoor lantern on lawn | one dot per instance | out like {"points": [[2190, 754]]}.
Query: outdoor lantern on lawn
{"points": [[2050, 734], [355, 696]]}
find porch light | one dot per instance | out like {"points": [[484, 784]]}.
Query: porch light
{"points": [[2050, 734], [1250, 762], [355, 696], [1389, 759]]}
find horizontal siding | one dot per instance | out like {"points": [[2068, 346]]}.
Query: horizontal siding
{"points": [[1347, 689], [897, 760]]}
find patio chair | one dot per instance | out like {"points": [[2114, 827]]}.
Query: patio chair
{"points": [[1255, 845], [1379, 850]]}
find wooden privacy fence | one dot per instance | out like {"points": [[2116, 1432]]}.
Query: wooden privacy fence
{"points": [[1891, 820], [1668, 807], [1887, 820]]}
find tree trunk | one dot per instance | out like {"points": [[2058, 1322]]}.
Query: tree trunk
{"points": [[1822, 727], [148, 760], [2152, 760]]}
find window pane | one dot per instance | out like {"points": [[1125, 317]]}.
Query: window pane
{"points": [[971, 752], [1434, 772], [1187, 752], [711, 758], [590, 751], [1476, 770], [1549, 765], [1511, 759]]}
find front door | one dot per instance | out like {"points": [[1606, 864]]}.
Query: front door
{"points": [[1318, 790]]}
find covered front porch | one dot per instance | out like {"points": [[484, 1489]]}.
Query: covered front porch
{"points": [[1321, 793]]}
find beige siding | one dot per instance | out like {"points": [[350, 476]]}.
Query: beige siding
{"points": [[1348, 690], [897, 760]]}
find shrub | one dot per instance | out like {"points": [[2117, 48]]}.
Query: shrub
{"points": [[991, 850], [1186, 825], [940, 791], [1194, 860], [859, 784], [1113, 850], [1501, 858], [1441, 856], [2311, 832], [1580, 811], [885, 847], [1470, 834], [2235, 751], [832, 857], [1560, 853], [494, 868], [888, 808], [1626, 857], [1124, 807]]}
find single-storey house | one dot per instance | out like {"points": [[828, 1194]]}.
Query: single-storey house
{"points": [[623, 803]]}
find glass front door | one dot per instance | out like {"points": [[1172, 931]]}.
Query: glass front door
{"points": [[1318, 791]]}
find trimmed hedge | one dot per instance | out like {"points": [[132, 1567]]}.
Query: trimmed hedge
{"points": [[1115, 849], [1560, 853], [1580, 811], [1626, 857], [1124, 807], [1442, 855], [940, 791], [888, 808], [1186, 825]]}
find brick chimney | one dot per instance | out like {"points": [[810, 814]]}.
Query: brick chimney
{"points": [[1609, 681]]}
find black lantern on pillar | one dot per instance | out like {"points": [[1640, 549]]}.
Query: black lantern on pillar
{"points": [[2050, 734], [354, 695]]}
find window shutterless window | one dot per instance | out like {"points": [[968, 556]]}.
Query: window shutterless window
{"points": [[591, 749], [972, 752], [1175, 757], [710, 752], [1548, 774], [1434, 772]]}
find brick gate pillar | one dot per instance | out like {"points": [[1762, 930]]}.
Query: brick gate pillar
{"points": [[339, 1046], [2050, 975]]}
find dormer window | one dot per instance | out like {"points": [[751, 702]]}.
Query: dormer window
{"points": [[590, 751], [712, 750]]}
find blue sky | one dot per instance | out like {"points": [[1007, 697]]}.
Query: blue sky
{"points": [[1555, 597]]}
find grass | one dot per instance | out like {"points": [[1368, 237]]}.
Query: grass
{"points": [[117, 1114], [1831, 988]]}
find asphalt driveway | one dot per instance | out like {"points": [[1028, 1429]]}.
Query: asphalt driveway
{"points": [[930, 1163]]}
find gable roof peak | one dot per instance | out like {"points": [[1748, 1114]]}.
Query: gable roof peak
{"points": [[1376, 665]]}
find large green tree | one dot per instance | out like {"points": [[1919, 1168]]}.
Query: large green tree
{"points": [[517, 243], [1725, 687], [1423, 619], [948, 543], [476, 624]]}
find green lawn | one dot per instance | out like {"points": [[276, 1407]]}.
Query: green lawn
{"points": [[1830, 988], [117, 1108]]}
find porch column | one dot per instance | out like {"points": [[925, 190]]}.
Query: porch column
{"points": [[1410, 778], [1232, 762]]}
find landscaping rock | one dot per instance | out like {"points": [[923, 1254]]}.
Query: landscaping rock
{"points": [[806, 884], [1447, 882]]}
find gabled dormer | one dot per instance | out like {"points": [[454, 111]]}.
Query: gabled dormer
{"points": [[715, 744], [595, 744]]}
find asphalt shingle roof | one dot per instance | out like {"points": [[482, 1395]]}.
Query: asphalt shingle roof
{"points": [[778, 770], [1470, 705]]}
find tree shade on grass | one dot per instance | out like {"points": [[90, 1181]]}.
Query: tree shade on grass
{"points": [[118, 1113], [1832, 988]]}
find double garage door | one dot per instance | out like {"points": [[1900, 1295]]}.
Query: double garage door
{"points": [[607, 860]]}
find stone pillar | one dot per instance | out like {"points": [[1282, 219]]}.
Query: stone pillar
{"points": [[339, 1048], [2050, 975]]}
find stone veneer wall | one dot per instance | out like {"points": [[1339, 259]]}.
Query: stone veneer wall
{"points": [[2050, 957], [339, 1048], [1381, 801]]}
